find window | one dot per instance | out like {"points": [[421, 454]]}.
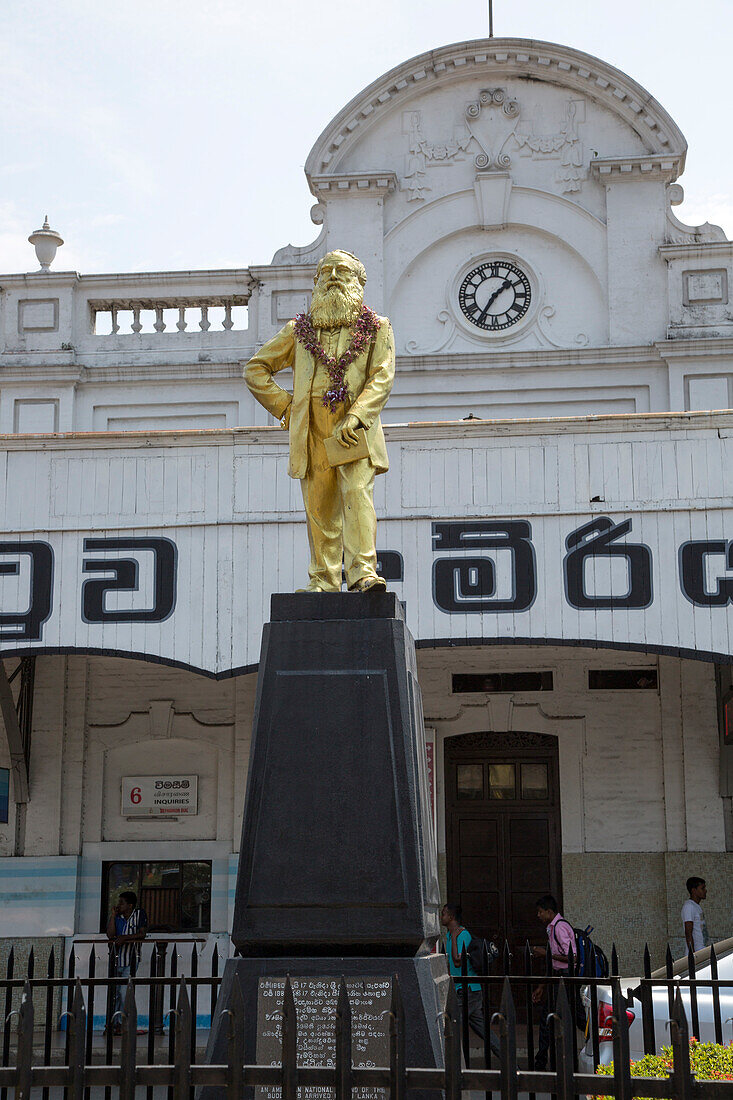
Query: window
{"points": [[470, 780], [622, 679], [535, 783], [4, 794], [176, 895], [502, 781], [497, 682]]}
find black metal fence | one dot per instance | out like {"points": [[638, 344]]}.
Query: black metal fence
{"points": [[592, 1002], [181, 1074], [52, 1024]]}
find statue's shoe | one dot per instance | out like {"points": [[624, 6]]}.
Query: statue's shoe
{"points": [[316, 588], [369, 584]]}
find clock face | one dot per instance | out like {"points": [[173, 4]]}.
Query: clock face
{"points": [[495, 295]]}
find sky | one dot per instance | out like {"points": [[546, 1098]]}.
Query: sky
{"points": [[172, 134]]}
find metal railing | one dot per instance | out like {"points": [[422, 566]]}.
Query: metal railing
{"points": [[180, 1074], [46, 1018], [588, 993]]}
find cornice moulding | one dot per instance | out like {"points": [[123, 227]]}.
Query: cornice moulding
{"points": [[624, 423], [127, 278], [564, 358], [619, 169], [375, 184], [270, 272], [698, 250], [495, 59]]}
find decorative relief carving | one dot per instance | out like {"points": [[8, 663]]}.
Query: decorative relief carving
{"points": [[566, 143], [491, 125], [678, 232], [493, 741], [421, 152], [579, 340], [492, 120]]}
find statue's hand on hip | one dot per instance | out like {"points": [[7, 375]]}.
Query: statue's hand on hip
{"points": [[346, 431]]}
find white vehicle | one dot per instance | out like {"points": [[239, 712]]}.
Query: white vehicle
{"points": [[630, 987]]}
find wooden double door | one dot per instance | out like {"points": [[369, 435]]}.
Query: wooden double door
{"points": [[503, 832]]}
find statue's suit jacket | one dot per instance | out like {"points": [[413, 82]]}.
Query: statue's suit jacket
{"points": [[369, 380]]}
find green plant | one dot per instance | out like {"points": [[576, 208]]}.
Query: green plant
{"points": [[708, 1061]]}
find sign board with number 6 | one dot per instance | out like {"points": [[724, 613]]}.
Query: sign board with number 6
{"points": [[154, 795]]}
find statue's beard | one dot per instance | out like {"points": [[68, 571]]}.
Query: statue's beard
{"points": [[336, 307]]}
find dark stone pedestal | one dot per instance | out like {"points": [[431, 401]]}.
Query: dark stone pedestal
{"points": [[423, 984], [337, 854], [337, 872]]}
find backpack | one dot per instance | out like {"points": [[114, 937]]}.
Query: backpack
{"points": [[478, 950], [583, 961]]}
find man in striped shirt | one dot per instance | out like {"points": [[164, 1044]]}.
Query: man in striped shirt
{"points": [[126, 928]]}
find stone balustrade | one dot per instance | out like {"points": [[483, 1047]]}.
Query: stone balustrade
{"points": [[112, 317]]}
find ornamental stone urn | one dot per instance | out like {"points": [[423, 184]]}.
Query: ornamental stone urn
{"points": [[46, 242]]}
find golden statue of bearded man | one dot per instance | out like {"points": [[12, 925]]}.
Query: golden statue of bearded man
{"points": [[343, 361]]}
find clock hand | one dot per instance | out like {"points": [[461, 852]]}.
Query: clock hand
{"points": [[484, 312]]}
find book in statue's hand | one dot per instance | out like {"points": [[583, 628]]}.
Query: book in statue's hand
{"points": [[338, 455]]}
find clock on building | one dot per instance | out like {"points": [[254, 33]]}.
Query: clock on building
{"points": [[495, 295]]}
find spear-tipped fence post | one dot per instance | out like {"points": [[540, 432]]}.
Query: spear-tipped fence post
{"points": [[90, 1008], [182, 1072], [77, 1038], [563, 1044], [621, 1056], [172, 1012], [507, 958], [31, 964], [214, 985], [194, 1000], [507, 1019], [50, 974], [717, 1019], [695, 1018], [397, 1066], [572, 995], [152, 1001], [681, 1075], [485, 990], [69, 999], [647, 1005], [593, 1010], [9, 967], [128, 1045], [452, 1040], [465, 1039], [110, 1001], [235, 1045], [24, 1061], [614, 961], [529, 1007], [289, 1044], [669, 965]]}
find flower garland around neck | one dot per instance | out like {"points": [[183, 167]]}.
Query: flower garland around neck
{"points": [[365, 329]]}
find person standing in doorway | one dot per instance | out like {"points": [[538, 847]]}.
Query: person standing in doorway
{"points": [[693, 918], [127, 927], [560, 941], [457, 939]]}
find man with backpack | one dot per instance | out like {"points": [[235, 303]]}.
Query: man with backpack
{"points": [[561, 940], [458, 939]]}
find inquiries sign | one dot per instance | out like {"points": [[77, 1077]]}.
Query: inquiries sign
{"points": [[146, 795]]}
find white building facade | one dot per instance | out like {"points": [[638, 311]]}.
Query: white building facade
{"points": [[557, 518]]}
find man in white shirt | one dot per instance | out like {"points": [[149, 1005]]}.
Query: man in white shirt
{"points": [[693, 918]]}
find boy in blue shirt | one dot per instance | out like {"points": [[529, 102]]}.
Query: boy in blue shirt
{"points": [[457, 938]]}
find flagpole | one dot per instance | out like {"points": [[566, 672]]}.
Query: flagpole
{"points": [[491, 18]]}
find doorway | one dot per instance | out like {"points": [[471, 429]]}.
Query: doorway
{"points": [[502, 832]]}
